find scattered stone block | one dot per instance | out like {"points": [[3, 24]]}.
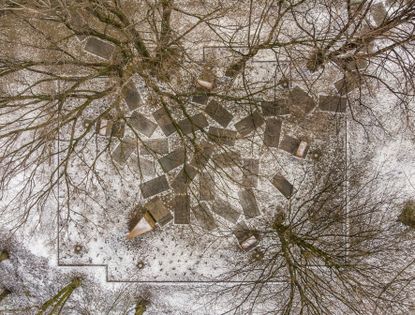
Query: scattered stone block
{"points": [[272, 132], [202, 155], [131, 95], [204, 217], [250, 123], [283, 185], [218, 113], [227, 159], [302, 149], [192, 124], [184, 178], [118, 129], [154, 146], [248, 203], [222, 136], [123, 151], [173, 159], [275, 108], [154, 186], [158, 211], [99, 48], [247, 239], [142, 124], [200, 99], [352, 63], [207, 79], [300, 99], [78, 24], [330, 103], [294, 146], [250, 171], [379, 13], [164, 121], [350, 82], [110, 128], [181, 208], [225, 210], [206, 186], [143, 166]]}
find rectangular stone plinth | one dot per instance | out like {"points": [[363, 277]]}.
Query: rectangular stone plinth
{"points": [[173, 159], [272, 132], [154, 186], [250, 123]]}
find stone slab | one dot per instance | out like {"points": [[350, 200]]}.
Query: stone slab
{"points": [[227, 159], [222, 136], [300, 99], [225, 210], [154, 146], [248, 203], [272, 132], [246, 237], [110, 128], [352, 63], [333, 103], [289, 144], [78, 23], [283, 185], [201, 99], [250, 171], [181, 209], [202, 155], [142, 166], [206, 186], [122, 151], [131, 95], [118, 129], [250, 123], [154, 186], [99, 48], [218, 113], [159, 211], [275, 108], [348, 83], [192, 124], [173, 159], [204, 217], [183, 179], [142, 124], [163, 120], [379, 13]]}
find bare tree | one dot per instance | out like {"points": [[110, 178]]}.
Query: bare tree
{"points": [[56, 303], [336, 246], [65, 93], [78, 79]]}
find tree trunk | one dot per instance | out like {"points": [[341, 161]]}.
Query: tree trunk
{"points": [[55, 304], [4, 255], [4, 293], [140, 308]]}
